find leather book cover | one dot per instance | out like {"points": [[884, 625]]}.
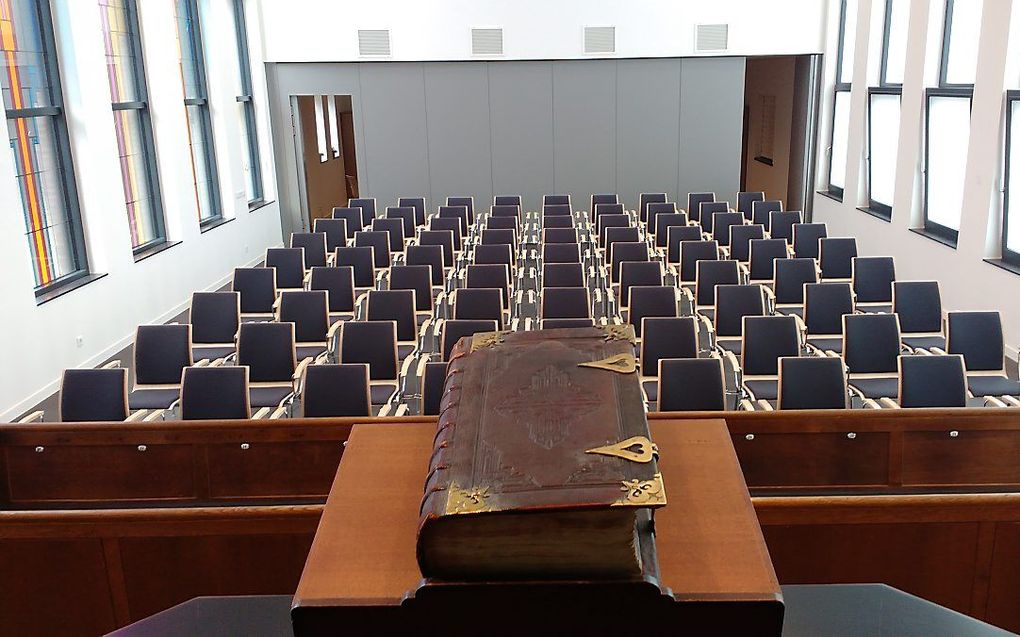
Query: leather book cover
{"points": [[540, 422]]}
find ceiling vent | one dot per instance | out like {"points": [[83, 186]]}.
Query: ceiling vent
{"points": [[486, 42], [712, 37], [373, 42], [599, 40]]}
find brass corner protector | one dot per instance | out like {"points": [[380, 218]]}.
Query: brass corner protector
{"points": [[635, 449], [619, 363], [620, 333], [486, 339], [643, 492], [466, 501]]}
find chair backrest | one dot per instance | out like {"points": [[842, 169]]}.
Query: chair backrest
{"points": [[257, 287], [427, 255], [835, 257], [94, 395], [791, 275], [352, 218], [362, 261], [373, 343], [693, 251], [397, 306], [339, 283], [269, 351], [556, 210], [602, 199], [160, 353], [691, 384], [502, 223], [417, 278], [872, 278], [812, 382], [379, 241], [665, 221], [336, 391], [367, 206], [745, 200], [871, 343], [335, 231], [608, 209], [740, 240], [626, 251], [733, 303], [460, 213], [806, 237], [507, 200], [564, 323], [314, 245], [629, 234], [675, 235], [977, 336], [561, 253], [465, 202], [919, 306], [556, 200], [781, 224], [445, 239], [707, 210], [721, 224], [432, 383], [638, 273], [932, 381], [559, 235], [289, 264], [655, 209], [565, 303], [505, 211], [215, 316], [495, 237], [646, 198], [453, 330], [557, 222], [694, 200], [824, 307], [765, 340], [479, 304], [407, 215], [711, 273], [764, 253], [395, 228], [606, 221], [418, 203], [215, 393], [490, 275], [562, 275], [667, 337], [761, 211], [651, 300], [496, 254]]}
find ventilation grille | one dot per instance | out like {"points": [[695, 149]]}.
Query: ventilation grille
{"points": [[599, 40], [486, 41], [373, 42], [712, 37]]}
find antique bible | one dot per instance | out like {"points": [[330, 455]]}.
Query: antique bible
{"points": [[542, 466]]}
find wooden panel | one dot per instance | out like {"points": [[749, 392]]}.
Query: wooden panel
{"points": [[100, 473], [970, 458], [54, 587], [288, 469], [1003, 608], [811, 459]]}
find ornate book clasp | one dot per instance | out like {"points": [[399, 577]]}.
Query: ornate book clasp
{"points": [[619, 363], [636, 449]]}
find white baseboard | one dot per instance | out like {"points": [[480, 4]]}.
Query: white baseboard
{"points": [[110, 351]]}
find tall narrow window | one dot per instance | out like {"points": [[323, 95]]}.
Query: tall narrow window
{"points": [[246, 102], [1011, 209], [841, 97], [196, 105], [128, 92], [947, 121], [38, 139], [884, 110]]}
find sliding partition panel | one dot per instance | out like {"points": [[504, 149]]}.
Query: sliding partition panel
{"points": [[584, 128]]}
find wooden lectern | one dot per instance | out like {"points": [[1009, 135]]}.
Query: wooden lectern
{"points": [[361, 576]]}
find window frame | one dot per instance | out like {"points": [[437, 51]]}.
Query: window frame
{"points": [[205, 122], [943, 233], [883, 72], [56, 115], [247, 100], [881, 209], [1009, 256], [141, 106], [947, 35], [839, 87]]}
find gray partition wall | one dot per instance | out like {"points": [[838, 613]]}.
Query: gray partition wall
{"points": [[437, 129]]}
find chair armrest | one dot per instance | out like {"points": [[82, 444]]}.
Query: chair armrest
{"points": [[735, 364], [831, 354], [137, 416], [114, 364], [381, 276], [724, 251], [939, 351], [35, 416], [278, 413], [406, 366], [205, 362], [709, 329], [770, 298], [155, 414], [422, 362], [401, 410], [307, 278], [298, 377], [514, 324], [746, 405], [765, 405], [743, 271], [1011, 401], [333, 329], [276, 302], [263, 413], [384, 411], [871, 404], [888, 403]]}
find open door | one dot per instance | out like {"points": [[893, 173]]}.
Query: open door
{"points": [[327, 157]]}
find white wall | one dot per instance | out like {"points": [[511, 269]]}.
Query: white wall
{"points": [[968, 282], [536, 29], [40, 341]]}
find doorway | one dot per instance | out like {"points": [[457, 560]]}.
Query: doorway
{"points": [[326, 153]]}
